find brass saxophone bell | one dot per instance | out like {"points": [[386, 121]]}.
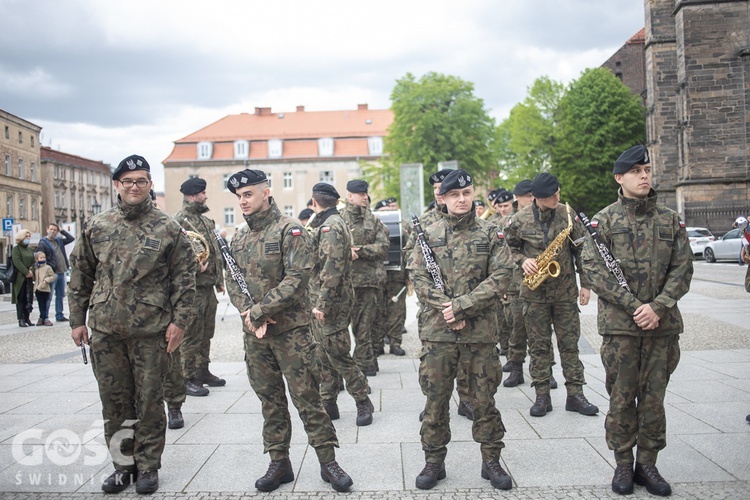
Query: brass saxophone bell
{"points": [[553, 269]]}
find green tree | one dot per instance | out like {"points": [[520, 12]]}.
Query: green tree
{"points": [[436, 118], [597, 119]]}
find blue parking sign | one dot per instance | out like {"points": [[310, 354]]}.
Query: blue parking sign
{"points": [[8, 224]]}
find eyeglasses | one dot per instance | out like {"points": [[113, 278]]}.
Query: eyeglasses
{"points": [[141, 183]]}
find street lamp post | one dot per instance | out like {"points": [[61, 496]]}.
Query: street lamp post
{"points": [[96, 207]]}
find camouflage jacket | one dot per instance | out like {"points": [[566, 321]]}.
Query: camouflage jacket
{"points": [[525, 238], [133, 269], [652, 246], [425, 220], [503, 221], [190, 219], [371, 236], [476, 270], [331, 282], [272, 253]]}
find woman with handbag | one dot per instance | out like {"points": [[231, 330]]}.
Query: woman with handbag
{"points": [[23, 260]]}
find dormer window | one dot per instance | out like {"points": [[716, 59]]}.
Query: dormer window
{"points": [[375, 146], [241, 149], [205, 150], [325, 147], [275, 148]]}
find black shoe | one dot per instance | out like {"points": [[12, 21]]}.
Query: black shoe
{"points": [[22, 323], [117, 481], [541, 406], [371, 371], [396, 350], [381, 351], [364, 412], [332, 409], [421, 415], [552, 382], [747, 418], [466, 410], [279, 472], [580, 404], [148, 481], [499, 479], [205, 377], [175, 418], [507, 367], [377, 366], [59, 320], [430, 475], [332, 473], [648, 476], [341, 384], [515, 377], [194, 389], [622, 482]]}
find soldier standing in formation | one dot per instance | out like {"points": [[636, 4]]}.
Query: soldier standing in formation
{"points": [[640, 325], [133, 272], [331, 295], [271, 251], [370, 245], [458, 328], [529, 235]]}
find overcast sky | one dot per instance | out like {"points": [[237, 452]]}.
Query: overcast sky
{"points": [[106, 79]]}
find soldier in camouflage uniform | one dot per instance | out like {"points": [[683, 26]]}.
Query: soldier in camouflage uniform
{"points": [[133, 272], [369, 251], [529, 234], [458, 328], [331, 295], [272, 253], [641, 327]]}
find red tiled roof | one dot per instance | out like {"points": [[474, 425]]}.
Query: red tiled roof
{"points": [[50, 154], [639, 37]]}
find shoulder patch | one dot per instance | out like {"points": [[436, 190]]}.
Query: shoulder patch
{"points": [[682, 223], [325, 229], [594, 223], [500, 235], [296, 231]]}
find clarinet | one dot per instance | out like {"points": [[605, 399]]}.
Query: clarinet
{"points": [[609, 261], [234, 269], [429, 256]]}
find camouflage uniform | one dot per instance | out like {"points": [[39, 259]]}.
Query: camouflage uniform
{"points": [[368, 278], [133, 271], [653, 249], [273, 255], [331, 292], [476, 269], [554, 301], [395, 312]]}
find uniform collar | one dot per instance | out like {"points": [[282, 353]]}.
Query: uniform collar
{"points": [[194, 208], [321, 217], [459, 221], [261, 220], [637, 205], [131, 212]]}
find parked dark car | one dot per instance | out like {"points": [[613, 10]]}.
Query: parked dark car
{"points": [[4, 283]]}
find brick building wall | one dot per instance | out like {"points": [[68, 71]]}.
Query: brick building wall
{"points": [[629, 65]]}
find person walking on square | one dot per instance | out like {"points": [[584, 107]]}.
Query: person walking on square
{"points": [[53, 247], [272, 254], [638, 319], [44, 276]]}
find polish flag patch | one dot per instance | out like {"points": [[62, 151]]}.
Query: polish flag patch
{"points": [[500, 235], [296, 231], [682, 223], [594, 223], [325, 229]]}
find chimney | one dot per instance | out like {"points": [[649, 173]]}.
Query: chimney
{"points": [[300, 109], [361, 107], [262, 111]]}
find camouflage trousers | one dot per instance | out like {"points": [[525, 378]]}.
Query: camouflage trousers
{"points": [[364, 327], [335, 358], [638, 371], [174, 380], [439, 365], [196, 346], [394, 312], [503, 325], [538, 316], [517, 340], [292, 356], [129, 373]]}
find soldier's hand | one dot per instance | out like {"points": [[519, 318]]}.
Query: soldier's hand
{"points": [[174, 337], [354, 253], [319, 315], [585, 296], [646, 318], [220, 289], [458, 326], [448, 313], [260, 332], [529, 267], [203, 265], [80, 334]]}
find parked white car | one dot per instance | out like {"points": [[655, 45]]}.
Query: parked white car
{"points": [[725, 248], [699, 238]]}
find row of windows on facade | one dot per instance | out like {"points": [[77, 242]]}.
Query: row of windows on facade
{"points": [[276, 148], [229, 219], [10, 206], [287, 179], [60, 201], [20, 136], [21, 169], [59, 172], [92, 177]]}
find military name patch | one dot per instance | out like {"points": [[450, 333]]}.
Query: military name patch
{"points": [[296, 231], [152, 244], [273, 247], [483, 247], [325, 229]]}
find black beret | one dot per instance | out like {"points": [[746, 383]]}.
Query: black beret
{"points": [[305, 214], [325, 188], [503, 196], [457, 179], [544, 185], [478, 203], [440, 175], [246, 178], [391, 200], [522, 188], [637, 155], [493, 194], [381, 204], [357, 186], [129, 164], [193, 185], [431, 206]]}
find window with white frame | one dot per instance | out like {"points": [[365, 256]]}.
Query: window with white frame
{"points": [[275, 148], [72, 200], [32, 140], [288, 180], [7, 165], [326, 176], [229, 216], [57, 199], [289, 210], [56, 172], [241, 149], [34, 209], [9, 206], [325, 146], [33, 171], [205, 150], [21, 173], [22, 207], [20, 137], [62, 173], [375, 145], [80, 201], [224, 180]]}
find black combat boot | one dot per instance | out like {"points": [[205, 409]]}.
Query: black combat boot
{"points": [[279, 472], [332, 473], [174, 415], [430, 475], [364, 412], [508, 367], [118, 481], [580, 404], [622, 482], [205, 377], [396, 350], [466, 410], [541, 406], [648, 476], [371, 371], [552, 382], [332, 409], [421, 415], [515, 377], [148, 481], [499, 479], [192, 388]]}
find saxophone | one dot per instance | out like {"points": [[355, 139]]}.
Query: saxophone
{"points": [[546, 263]]}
